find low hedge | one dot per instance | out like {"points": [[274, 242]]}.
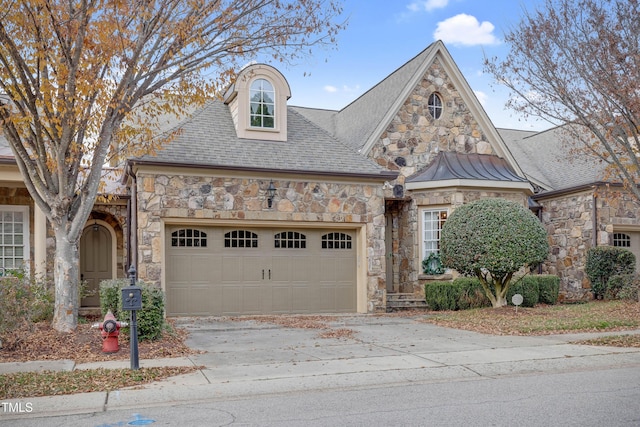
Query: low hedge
{"points": [[461, 294], [467, 292], [624, 286], [539, 288], [527, 288], [150, 318], [548, 288]]}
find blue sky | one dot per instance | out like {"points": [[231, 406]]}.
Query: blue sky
{"points": [[382, 35]]}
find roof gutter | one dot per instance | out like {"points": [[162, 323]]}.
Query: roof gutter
{"points": [[7, 161], [382, 176], [582, 187]]}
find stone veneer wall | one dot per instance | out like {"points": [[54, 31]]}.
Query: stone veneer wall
{"points": [[569, 220], [414, 137], [236, 199], [569, 224]]}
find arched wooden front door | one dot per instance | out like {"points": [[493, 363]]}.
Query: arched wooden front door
{"points": [[95, 261]]}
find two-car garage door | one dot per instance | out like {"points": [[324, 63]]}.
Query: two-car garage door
{"points": [[230, 271]]}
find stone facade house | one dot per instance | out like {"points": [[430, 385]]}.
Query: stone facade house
{"points": [[259, 207]]}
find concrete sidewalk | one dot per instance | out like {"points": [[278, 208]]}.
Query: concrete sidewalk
{"points": [[246, 358]]}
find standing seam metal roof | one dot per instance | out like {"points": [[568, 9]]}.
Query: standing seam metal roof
{"points": [[449, 165]]}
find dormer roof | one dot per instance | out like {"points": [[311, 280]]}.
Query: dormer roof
{"points": [[245, 108]]}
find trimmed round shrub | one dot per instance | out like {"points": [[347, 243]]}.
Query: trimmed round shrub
{"points": [[604, 262], [492, 239]]}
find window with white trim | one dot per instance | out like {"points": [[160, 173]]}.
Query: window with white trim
{"points": [[14, 237], [262, 104], [434, 104], [432, 222]]}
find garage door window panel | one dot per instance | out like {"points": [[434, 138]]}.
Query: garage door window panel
{"points": [[240, 239], [621, 240], [290, 240], [189, 238], [336, 241]]}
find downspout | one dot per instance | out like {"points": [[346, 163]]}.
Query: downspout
{"points": [[539, 214], [128, 256], [594, 238], [134, 221]]}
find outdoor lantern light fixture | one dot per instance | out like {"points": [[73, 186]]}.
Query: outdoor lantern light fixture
{"points": [[271, 192], [95, 225]]}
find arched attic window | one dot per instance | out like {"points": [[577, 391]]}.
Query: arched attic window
{"points": [[434, 104], [262, 104]]}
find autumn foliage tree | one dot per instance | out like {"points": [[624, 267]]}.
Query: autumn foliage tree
{"points": [[577, 63], [80, 77]]}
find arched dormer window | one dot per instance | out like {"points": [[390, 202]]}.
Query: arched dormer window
{"points": [[258, 103], [262, 104]]}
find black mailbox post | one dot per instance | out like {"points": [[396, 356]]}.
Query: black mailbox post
{"points": [[132, 301]]}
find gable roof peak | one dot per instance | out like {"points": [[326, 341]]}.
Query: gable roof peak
{"points": [[362, 123]]}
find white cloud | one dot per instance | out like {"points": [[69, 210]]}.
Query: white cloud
{"points": [[465, 30], [482, 97], [427, 5], [344, 89]]}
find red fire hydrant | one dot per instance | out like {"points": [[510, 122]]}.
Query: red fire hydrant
{"points": [[109, 330]]}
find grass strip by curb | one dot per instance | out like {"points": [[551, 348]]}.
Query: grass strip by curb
{"points": [[53, 383]]}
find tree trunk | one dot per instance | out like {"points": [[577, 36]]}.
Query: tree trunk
{"points": [[501, 301], [66, 276], [501, 293]]}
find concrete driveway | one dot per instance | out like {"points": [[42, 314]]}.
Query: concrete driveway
{"points": [[382, 348]]}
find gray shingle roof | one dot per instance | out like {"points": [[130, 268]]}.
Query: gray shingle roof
{"points": [[546, 158], [208, 138], [357, 121]]}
